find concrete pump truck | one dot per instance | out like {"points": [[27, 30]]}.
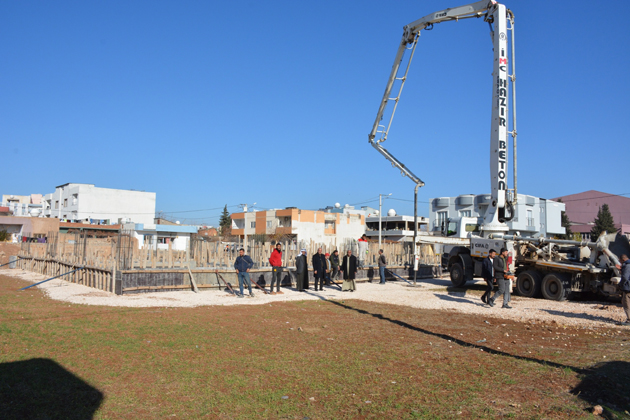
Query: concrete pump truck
{"points": [[553, 268]]}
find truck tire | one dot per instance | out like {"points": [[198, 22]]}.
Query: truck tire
{"points": [[458, 277], [528, 284], [555, 287]]}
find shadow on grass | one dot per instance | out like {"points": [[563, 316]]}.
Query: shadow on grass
{"points": [[42, 389], [607, 384], [607, 320], [457, 340], [453, 298]]}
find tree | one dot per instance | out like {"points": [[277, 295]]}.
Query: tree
{"points": [[603, 222], [566, 224], [225, 222]]}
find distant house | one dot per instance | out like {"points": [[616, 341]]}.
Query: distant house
{"points": [[154, 236], [582, 208]]}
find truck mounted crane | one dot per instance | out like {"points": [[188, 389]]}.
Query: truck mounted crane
{"points": [[553, 268]]}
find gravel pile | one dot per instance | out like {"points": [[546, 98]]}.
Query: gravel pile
{"points": [[428, 294]]}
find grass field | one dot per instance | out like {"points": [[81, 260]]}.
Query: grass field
{"points": [[299, 360]]}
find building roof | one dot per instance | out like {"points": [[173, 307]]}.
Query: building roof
{"points": [[582, 208]]}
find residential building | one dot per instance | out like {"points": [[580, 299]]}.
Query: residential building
{"points": [[28, 227], [582, 208], [162, 236], [23, 205], [320, 226], [533, 216], [398, 228], [85, 203]]}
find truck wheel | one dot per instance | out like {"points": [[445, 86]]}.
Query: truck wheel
{"points": [[457, 275], [528, 284], [554, 287]]}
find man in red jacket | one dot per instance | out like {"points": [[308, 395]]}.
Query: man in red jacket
{"points": [[276, 263]]}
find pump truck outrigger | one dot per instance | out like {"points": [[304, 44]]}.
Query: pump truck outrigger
{"points": [[541, 265]]}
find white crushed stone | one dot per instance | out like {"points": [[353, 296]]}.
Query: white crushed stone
{"points": [[427, 294]]}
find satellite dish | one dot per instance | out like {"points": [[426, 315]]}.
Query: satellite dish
{"points": [[337, 205], [391, 212], [376, 212]]}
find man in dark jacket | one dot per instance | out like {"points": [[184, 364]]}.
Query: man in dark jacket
{"points": [[500, 268], [275, 260], [334, 262], [382, 264], [319, 268], [486, 273], [301, 269], [349, 270], [624, 286], [242, 265]]}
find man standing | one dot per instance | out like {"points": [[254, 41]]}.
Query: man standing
{"points": [[301, 269], [382, 263], [500, 267], [624, 286], [328, 269], [276, 271], [334, 262], [486, 273], [349, 270], [319, 268], [242, 265]]}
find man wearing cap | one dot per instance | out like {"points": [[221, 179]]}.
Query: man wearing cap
{"points": [[319, 268], [499, 264], [301, 269]]}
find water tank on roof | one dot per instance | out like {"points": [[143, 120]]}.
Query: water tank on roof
{"points": [[391, 212]]}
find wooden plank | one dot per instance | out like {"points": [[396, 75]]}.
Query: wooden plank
{"points": [[192, 280]]}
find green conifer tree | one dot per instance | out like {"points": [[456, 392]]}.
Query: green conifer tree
{"points": [[225, 222], [603, 222]]}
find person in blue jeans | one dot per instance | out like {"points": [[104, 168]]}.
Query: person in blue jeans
{"points": [[242, 265], [382, 263]]}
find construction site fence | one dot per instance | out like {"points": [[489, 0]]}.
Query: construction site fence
{"points": [[121, 252], [96, 277]]}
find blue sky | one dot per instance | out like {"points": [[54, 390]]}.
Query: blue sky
{"points": [[214, 103]]}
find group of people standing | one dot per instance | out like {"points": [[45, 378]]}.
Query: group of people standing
{"points": [[326, 267], [495, 269]]}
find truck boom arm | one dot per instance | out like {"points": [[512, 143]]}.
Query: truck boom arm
{"points": [[497, 15]]}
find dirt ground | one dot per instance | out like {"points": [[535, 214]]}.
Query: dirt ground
{"points": [[427, 294]]}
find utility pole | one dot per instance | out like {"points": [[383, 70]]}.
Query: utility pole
{"points": [[244, 207], [380, 215]]}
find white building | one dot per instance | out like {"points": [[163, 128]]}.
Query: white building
{"points": [[87, 203], [533, 216], [162, 236], [23, 205], [397, 228]]}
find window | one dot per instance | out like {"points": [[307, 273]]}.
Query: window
{"points": [[329, 224], [269, 223], [465, 213], [65, 202], [472, 227], [252, 224], [441, 218], [530, 218], [56, 204]]}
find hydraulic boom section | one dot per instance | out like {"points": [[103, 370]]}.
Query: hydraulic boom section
{"points": [[497, 16]]}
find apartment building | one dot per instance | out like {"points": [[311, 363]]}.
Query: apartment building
{"points": [[85, 203], [320, 226]]}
